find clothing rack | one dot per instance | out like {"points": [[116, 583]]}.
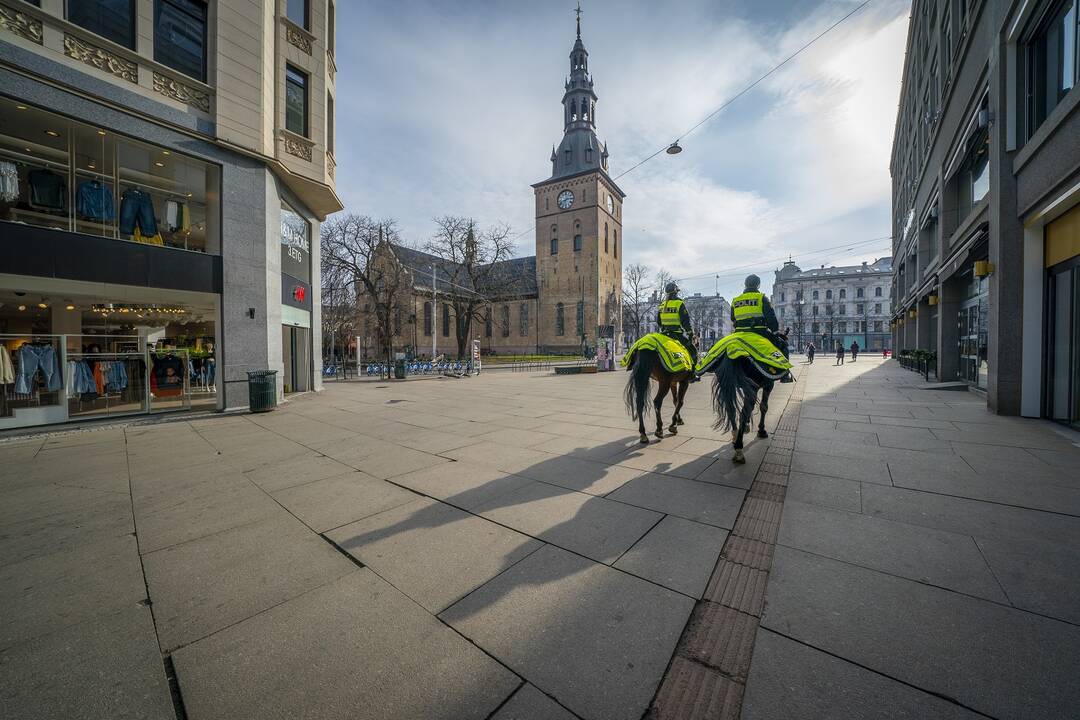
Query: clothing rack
{"points": [[23, 159]]}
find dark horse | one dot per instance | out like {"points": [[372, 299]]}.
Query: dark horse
{"points": [[735, 394], [646, 366]]}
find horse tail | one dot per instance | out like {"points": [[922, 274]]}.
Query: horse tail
{"points": [[636, 393], [732, 390]]}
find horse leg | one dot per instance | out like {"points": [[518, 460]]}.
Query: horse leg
{"points": [[665, 385], [766, 391], [744, 425], [678, 392]]}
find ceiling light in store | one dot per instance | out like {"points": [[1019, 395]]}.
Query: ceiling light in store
{"points": [[166, 152], [101, 132], [43, 305], [20, 107], [29, 150], [52, 133], [22, 308], [159, 164], [70, 305], [92, 166], [189, 194]]}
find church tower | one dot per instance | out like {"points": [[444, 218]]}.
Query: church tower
{"points": [[578, 225]]}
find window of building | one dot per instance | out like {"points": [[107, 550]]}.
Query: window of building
{"points": [[877, 292], [828, 294], [504, 320], [427, 319], [841, 327], [566, 156], [1052, 63], [843, 293], [560, 320], [298, 12], [814, 326], [829, 310], [605, 238], [329, 123], [860, 309], [554, 240], [296, 101], [816, 295], [781, 297], [487, 321], [813, 310], [858, 292], [111, 19], [615, 243], [580, 320], [81, 178], [295, 244], [523, 319], [842, 310], [331, 27], [577, 243], [446, 320], [180, 36], [878, 325]]}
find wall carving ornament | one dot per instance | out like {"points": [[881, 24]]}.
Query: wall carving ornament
{"points": [[331, 164], [295, 146], [177, 90], [21, 24], [101, 59], [297, 38]]}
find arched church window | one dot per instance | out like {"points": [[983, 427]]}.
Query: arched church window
{"points": [[580, 320], [588, 155], [504, 320], [605, 238], [560, 321], [573, 109], [577, 242], [427, 319], [567, 155], [615, 242]]}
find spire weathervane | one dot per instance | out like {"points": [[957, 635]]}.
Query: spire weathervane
{"points": [[578, 13]]}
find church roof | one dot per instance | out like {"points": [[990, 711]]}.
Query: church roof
{"points": [[515, 277]]}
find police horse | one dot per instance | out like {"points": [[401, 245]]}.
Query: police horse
{"points": [[647, 365]]}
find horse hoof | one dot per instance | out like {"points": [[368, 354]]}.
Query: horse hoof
{"points": [[738, 458], [673, 430], [762, 433], [644, 440], [680, 421], [660, 434]]}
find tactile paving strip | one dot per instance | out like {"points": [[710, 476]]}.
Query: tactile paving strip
{"points": [[707, 675]]}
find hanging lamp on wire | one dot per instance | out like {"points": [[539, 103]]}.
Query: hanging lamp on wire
{"points": [[674, 148]]}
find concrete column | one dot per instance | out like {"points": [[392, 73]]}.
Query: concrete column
{"points": [[922, 326], [951, 294]]}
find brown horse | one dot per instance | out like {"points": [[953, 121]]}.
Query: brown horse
{"points": [[647, 366]]}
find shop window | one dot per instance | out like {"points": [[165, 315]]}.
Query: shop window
{"points": [[523, 319], [111, 19], [504, 320], [298, 12], [296, 101], [427, 319], [180, 36], [108, 185], [560, 320]]}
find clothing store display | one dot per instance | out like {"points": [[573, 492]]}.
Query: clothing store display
{"points": [[151, 240], [167, 377], [99, 379], [82, 381], [137, 210], [32, 357], [7, 368], [94, 201], [177, 216], [9, 182], [48, 191]]}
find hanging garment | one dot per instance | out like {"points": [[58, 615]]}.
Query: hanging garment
{"points": [[69, 378], [32, 358], [9, 182], [83, 380], [151, 240], [94, 201], [7, 368], [99, 379], [116, 378], [48, 191], [137, 210], [185, 218]]}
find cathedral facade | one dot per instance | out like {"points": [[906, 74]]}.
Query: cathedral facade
{"points": [[569, 294]]}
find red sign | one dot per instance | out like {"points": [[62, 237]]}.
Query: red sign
{"points": [[299, 292]]}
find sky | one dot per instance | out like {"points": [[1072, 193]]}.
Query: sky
{"points": [[448, 107]]}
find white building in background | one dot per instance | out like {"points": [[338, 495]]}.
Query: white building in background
{"points": [[826, 304], [710, 316]]}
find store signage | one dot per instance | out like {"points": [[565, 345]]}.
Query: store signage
{"points": [[295, 293], [295, 245], [299, 292]]}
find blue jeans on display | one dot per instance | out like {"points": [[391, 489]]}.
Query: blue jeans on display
{"points": [[208, 368], [83, 380], [33, 358], [136, 208]]}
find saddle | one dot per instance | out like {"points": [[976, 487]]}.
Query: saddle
{"points": [[672, 354], [742, 343]]}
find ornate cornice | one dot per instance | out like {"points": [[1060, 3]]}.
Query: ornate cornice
{"points": [[21, 24], [100, 58], [331, 164], [177, 90], [296, 145], [297, 37]]}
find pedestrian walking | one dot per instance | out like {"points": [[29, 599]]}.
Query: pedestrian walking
{"points": [[839, 353], [810, 350], [854, 350]]}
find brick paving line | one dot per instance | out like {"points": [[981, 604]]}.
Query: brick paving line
{"points": [[707, 674]]}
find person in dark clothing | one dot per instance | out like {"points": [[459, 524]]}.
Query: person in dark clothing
{"points": [[751, 311], [854, 350], [674, 321], [810, 350], [839, 353]]}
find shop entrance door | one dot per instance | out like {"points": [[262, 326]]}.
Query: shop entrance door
{"points": [[972, 325], [296, 352], [1063, 349]]}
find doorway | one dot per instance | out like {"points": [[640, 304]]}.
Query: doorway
{"points": [[1063, 347], [296, 354]]}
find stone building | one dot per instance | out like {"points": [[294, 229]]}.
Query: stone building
{"points": [[710, 316], [569, 293], [165, 167], [826, 304], [986, 200]]}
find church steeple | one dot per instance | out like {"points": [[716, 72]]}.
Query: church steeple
{"points": [[580, 149]]}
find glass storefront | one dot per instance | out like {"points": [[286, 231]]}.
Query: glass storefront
{"points": [[972, 325], [1063, 349], [60, 173]]}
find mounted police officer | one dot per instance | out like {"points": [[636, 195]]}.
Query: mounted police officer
{"points": [[674, 321], [751, 311]]}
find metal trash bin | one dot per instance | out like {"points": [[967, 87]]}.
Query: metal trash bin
{"points": [[262, 390], [399, 369]]}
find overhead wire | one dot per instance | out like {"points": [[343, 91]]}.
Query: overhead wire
{"points": [[761, 263]]}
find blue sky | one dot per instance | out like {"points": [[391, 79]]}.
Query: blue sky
{"points": [[452, 108]]}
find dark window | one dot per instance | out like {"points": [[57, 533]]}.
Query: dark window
{"points": [[815, 294], [577, 243], [615, 242], [180, 36], [445, 320], [828, 294], [331, 27], [111, 19], [859, 292], [843, 294], [504, 320], [580, 320], [554, 246], [296, 101], [1052, 65], [560, 321], [877, 308], [329, 123], [297, 11], [427, 319], [877, 292], [605, 238], [523, 318], [860, 308]]}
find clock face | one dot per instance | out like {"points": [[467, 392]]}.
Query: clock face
{"points": [[610, 206], [566, 199]]}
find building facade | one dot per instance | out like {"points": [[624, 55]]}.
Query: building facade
{"points": [[710, 317], [564, 298], [165, 165], [986, 184], [829, 304]]}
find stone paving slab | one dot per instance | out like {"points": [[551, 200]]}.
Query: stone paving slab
{"points": [[701, 502], [1037, 575], [596, 639], [336, 501], [528, 703], [355, 648], [859, 469], [937, 557], [432, 552], [677, 553], [825, 491], [582, 475], [1019, 492], [792, 681], [108, 667], [661, 460], [462, 484], [179, 518], [928, 637], [296, 472], [209, 583]]}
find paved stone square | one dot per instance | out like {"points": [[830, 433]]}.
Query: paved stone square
{"points": [[502, 547]]}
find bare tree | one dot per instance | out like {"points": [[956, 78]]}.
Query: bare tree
{"points": [[474, 261], [356, 249], [637, 286], [340, 311], [663, 277]]}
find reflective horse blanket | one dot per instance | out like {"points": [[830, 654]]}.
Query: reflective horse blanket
{"points": [[672, 354], [745, 344]]}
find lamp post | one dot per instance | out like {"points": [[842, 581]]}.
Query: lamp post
{"points": [[799, 304]]}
